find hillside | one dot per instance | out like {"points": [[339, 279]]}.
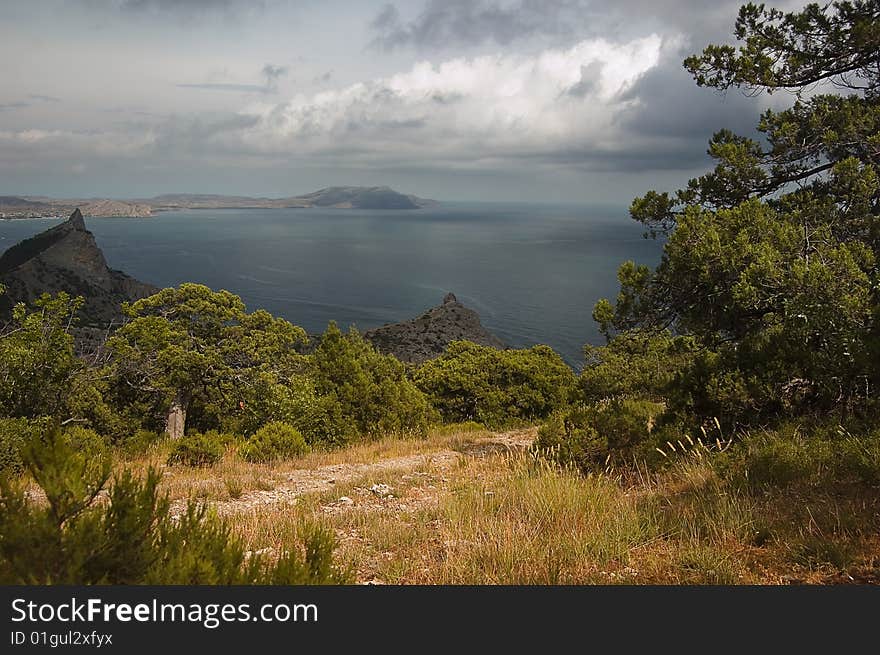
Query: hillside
{"points": [[427, 335], [339, 197], [67, 258]]}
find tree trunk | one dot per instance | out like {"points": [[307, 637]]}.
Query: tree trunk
{"points": [[175, 420]]}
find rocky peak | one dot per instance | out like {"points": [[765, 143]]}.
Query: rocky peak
{"points": [[76, 221], [427, 336], [67, 258]]}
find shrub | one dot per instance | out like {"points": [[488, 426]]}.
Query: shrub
{"points": [[85, 440], [273, 442], [592, 435], [296, 401], [806, 455], [139, 442], [133, 538], [470, 382], [636, 363], [568, 439], [199, 449], [367, 393], [15, 435]]}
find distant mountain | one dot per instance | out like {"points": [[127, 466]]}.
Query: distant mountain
{"points": [[427, 336], [358, 197], [340, 197], [66, 258]]}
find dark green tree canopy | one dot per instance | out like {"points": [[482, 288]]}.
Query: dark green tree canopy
{"points": [[191, 343], [771, 259]]}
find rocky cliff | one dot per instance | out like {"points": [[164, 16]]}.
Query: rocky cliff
{"points": [[66, 258], [427, 336]]}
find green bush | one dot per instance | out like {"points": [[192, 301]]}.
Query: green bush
{"points": [[133, 538], [14, 433], [569, 439], [85, 440], [296, 401], [470, 382], [139, 442], [594, 435], [366, 393], [806, 455], [199, 449], [636, 363], [273, 442]]}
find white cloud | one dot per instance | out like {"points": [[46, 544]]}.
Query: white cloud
{"points": [[560, 106], [466, 109]]}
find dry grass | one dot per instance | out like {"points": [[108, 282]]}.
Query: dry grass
{"points": [[460, 507], [233, 477], [513, 520]]}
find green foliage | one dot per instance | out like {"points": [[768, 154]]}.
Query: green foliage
{"points": [[371, 392], [635, 363], [770, 260], [38, 368], [592, 436], [15, 435], [293, 400], [201, 349], [802, 455], [470, 382], [272, 442], [569, 439], [85, 440], [132, 539], [199, 449], [139, 442]]}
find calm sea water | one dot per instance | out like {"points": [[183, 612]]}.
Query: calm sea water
{"points": [[533, 272]]}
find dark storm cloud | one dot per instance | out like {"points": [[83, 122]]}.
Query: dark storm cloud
{"points": [[670, 105], [451, 23]]}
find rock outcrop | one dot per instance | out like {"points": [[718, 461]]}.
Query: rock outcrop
{"points": [[66, 258], [427, 336]]}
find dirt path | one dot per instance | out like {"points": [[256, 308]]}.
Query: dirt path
{"points": [[299, 482]]}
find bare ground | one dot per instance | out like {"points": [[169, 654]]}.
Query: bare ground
{"points": [[426, 468]]}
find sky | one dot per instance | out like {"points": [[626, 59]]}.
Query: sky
{"points": [[529, 100]]}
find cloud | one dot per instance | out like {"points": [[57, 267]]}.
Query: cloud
{"points": [[189, 7], [238, 88], [43, 98], [270, 72], [444, 24], [469, 112], [13, 105], [273, 73], [599, 105]]}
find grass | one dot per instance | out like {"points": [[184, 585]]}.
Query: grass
{"points": [[460, 507], [511, 519]]}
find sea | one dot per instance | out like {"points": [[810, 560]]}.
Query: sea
{"points": [[532, 271]]}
